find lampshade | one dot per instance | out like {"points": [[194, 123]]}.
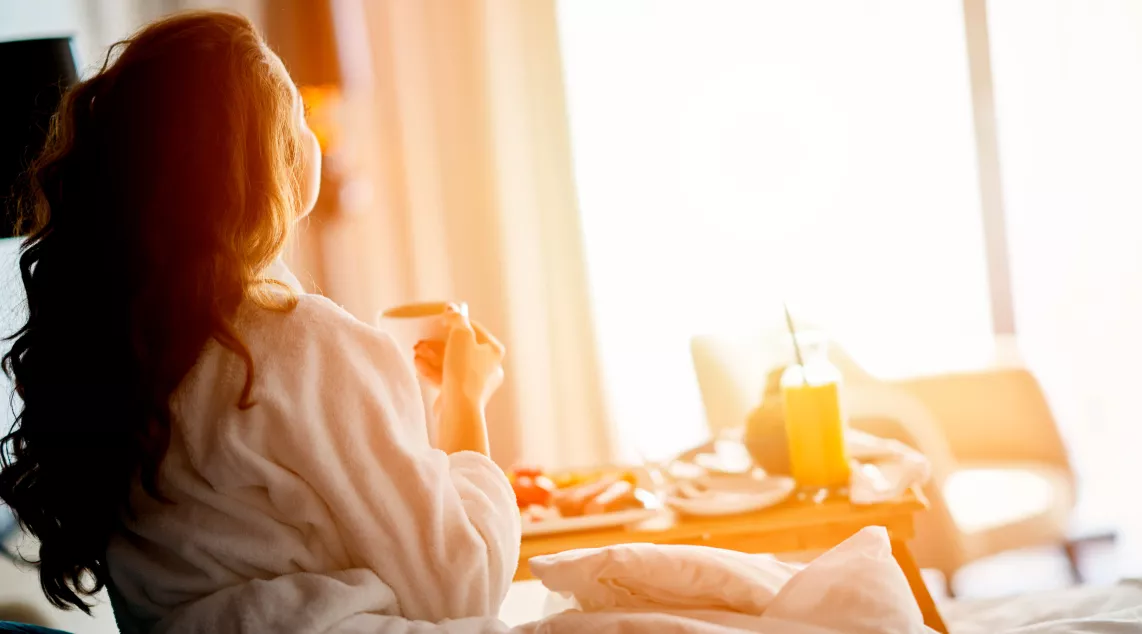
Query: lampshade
{"points": [[35, 74], [302, 33]]}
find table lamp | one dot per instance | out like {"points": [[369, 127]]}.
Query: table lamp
{"points": [[303, 33]]}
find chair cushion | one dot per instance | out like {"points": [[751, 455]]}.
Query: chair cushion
{"points": [[1009, 505]]}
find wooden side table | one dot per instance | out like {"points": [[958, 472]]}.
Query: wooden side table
{"points": [[790, 527]]}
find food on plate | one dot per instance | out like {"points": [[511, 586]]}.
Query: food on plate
{"points": [[573, 501], [691, 490], [531, 487], [537, 513], [541, 497], [618, 497], [570, 479], [526, 470]]}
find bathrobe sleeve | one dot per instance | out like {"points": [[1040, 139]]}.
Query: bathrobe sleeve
{"points": [[442, 531]]}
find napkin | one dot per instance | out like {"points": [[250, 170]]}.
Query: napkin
{"points": [[883, 469]]}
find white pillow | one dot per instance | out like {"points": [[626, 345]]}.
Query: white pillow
{"points": [[855, 588], [643, 576]]}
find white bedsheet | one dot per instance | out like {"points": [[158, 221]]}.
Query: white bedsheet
{"points": [[1113, 609]]}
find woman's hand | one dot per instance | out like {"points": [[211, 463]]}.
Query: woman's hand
{"points": [[467, 365]]}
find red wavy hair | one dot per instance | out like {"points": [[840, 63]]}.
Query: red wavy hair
{"points": [[169, 182]]}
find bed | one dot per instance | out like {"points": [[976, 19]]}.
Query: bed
{"points": [[1108, 609], [1114, 609]]}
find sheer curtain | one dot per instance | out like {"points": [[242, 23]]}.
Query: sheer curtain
{"points": [[734, 154], [459, 134], [1068, 80]]}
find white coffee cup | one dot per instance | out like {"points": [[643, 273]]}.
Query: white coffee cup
{"points": [[408, 324]]}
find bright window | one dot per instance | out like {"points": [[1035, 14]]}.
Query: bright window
{"points": [[731, 155], [1068, 76]]}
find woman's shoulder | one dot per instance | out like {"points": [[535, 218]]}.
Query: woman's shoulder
{"points": [[313, 321], [314, 343], [309, 311]]}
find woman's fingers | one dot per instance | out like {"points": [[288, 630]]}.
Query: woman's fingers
{"points": [[433, 373], [431, 350], [456, 319], [458, 324], [429, 359], [483, 336]]}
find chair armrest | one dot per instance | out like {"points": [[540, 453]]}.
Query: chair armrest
{"points": [[997, 415], [885, 411]]}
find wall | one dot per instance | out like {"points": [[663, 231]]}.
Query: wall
{"points": [[95, 24]]}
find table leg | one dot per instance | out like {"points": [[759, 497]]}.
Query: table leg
{"points": [[928, 609]]}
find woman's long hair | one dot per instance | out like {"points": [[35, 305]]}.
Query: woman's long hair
{"points": [[169, 182]]}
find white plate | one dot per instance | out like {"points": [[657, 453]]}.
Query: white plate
{"points": [[587, 522], [770, 492]]}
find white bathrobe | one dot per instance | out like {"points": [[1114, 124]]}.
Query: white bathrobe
{"points": [[322, 508]]}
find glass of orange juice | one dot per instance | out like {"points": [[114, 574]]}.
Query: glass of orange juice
{"points": [[814, 421]]}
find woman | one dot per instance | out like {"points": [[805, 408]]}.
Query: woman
{"points": [[221, 451]]}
